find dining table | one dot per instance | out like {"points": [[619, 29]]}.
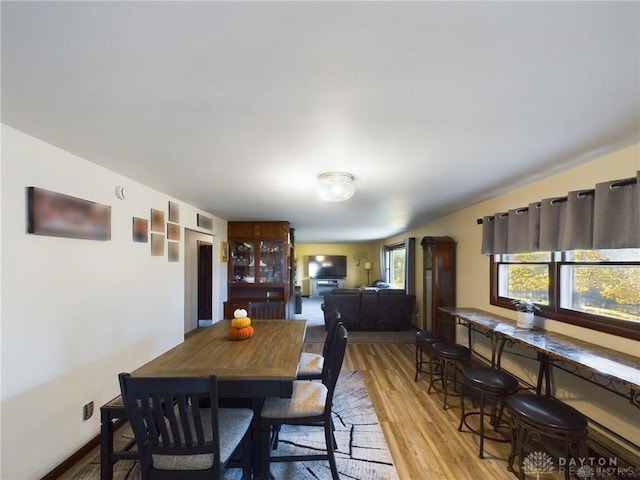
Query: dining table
{"points": [[248, 371]]}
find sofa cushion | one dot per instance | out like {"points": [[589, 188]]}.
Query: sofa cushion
{"points": [[369, 310], [395, 311]]}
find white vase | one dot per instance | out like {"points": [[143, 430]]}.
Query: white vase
{"points": [[525, 319]]}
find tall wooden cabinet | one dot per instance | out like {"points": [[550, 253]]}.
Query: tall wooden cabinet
{"points": [[260, 264], [439, 282]]}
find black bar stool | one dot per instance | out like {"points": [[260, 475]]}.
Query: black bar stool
{"points": [[424, 341], [448, 355], [537, 416], [488, 386]]}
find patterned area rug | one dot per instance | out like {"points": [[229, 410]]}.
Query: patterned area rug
{"points": [[362, 453]]}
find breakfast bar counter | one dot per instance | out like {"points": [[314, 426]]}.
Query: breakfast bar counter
{"points": [[617, 372]]}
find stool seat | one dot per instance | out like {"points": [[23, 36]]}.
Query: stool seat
{"points": [[429, 337], [491, 387], [547, 411], [451, 351], [539, 416], [448, 355], [489, 379], [424, 341]]}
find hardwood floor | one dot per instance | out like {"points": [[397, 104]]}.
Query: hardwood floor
{"points": [[423, 438]]}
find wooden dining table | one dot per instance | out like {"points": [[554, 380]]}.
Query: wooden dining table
{"points": [[264, 365]]}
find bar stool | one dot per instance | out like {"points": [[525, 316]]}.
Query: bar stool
{"points": [[540, 416], [448, 355], [489, 386], [424, 341]]}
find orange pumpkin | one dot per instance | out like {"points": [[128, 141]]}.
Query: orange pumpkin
{"points": [[240, 333], [240, 322]]}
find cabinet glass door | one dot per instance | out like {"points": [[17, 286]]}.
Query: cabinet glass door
{"points": [[272, 265], [243, 264]]}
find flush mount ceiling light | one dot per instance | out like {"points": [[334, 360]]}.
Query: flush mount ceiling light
{"points": [[335, 186]]}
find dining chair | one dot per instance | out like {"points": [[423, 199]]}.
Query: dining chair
{"points": [[309, 405], [176, 435], [311, 364], [266, 310]]}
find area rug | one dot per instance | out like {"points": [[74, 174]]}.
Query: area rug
{"points": [[317, 334], [362, 452]]}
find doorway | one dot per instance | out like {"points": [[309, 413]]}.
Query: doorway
{"points": [[198, 280], [205, 283]]}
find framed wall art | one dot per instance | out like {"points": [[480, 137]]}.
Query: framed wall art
{"points": [[224, 251], [173, 251], [174, 212], [59, 215], [173, 231], [140, 230], [205, 222], [157, 244], [157, 220]]}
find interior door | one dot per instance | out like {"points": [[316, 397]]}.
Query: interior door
{"points": [[205, 285]]}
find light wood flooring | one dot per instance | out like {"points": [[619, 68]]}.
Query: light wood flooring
{"points": [[423, 437]]}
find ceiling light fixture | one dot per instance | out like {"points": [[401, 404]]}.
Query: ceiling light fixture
{"points": [[335, 186]]}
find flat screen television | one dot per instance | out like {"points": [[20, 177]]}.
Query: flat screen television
{"points": [[327, 266]]}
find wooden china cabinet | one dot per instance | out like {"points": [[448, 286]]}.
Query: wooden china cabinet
{"points": [[439, 283], [259, 266]]}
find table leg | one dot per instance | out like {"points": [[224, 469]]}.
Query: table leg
{"points": [[256, 441], [544, 374], [106, 446]]}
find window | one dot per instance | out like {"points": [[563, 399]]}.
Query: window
{"points": [[597, 289], [395, 265]]}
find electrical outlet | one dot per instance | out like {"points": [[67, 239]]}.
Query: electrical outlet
{"points": [[87, 411]]}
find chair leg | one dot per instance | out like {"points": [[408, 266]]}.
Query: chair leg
{"points": [[266, 449], [246, 456], [329, 439]]}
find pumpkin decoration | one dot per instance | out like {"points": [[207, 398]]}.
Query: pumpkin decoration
{"points": [[241, 322], [241, 328], [240, 333]]}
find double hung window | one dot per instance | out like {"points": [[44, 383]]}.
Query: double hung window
{"points": [[597, 289]]}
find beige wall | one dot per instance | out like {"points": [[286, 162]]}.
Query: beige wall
{"points": [[473, 281], [357, 254]]}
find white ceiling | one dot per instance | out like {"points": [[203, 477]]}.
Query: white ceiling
{"points": [[236, 107]]}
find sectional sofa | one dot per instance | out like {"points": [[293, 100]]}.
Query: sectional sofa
{"points": [[371, 309]]}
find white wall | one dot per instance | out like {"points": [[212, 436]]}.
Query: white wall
{"points": [[75, 313]]}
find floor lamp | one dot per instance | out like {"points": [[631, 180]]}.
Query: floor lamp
{"points": [[367, 267]]}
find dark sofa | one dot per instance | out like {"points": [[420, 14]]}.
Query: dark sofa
{"points": [[371, 309]]}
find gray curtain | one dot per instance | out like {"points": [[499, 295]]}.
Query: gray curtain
{"points": [[605, 217], [410, 265], [487, 234], [518, 231], [616, 216], [576, 231], [553, 212]]}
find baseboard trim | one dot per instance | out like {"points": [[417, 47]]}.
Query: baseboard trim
{"points": [[79, 454]]}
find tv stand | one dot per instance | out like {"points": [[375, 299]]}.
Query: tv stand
{"points": [[322, 286]]}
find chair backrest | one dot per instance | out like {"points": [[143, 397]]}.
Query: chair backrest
{"points": [[168, 421], [333, 362], [266, 310], [332, 331]]}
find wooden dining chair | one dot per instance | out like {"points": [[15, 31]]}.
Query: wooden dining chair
{"points": [[309, 405], [266, 310], [177, 438], [311, 364]]}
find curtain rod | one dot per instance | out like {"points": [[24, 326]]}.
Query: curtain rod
{"points": [[616, 184], [581, 194]]}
